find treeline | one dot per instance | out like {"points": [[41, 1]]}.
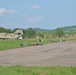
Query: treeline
{"points": [[29, 33], [32, 33], [5, 30]]}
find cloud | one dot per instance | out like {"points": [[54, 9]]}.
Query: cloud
{"points": [[11, 11], [35, 19], [35, 7], [3, 11]]}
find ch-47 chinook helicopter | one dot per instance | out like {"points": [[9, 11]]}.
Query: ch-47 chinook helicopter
{"points": [[18, 34]]}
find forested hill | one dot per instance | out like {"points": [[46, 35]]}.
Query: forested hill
{"points": [[42, 30], [69, 28], [65, 29]]}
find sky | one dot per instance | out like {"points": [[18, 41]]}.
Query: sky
{"points": [[45, 14]]}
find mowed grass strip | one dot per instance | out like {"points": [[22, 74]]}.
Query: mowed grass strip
{"points": [[21, 70], [10, 44]]}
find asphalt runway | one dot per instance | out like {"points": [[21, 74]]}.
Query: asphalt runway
{"points": [[53, 54]]}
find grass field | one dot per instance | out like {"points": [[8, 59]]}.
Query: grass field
{"points": [[21, 70], [10, 44]]}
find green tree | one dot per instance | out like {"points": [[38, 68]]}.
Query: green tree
{"points": [[59, 32], [30, 33], [40, 34], [5, 30]]}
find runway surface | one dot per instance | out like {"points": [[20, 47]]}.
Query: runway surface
{"points": [[53, 54]]}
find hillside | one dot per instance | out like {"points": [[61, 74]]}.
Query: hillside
{"points": [[42, 30], [69, 28], [65, 29]]}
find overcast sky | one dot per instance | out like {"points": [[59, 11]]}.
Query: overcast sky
{"points": [[46, 14]]}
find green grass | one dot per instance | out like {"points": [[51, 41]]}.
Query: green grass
{"points": [[21, 70], [10, 44]]}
